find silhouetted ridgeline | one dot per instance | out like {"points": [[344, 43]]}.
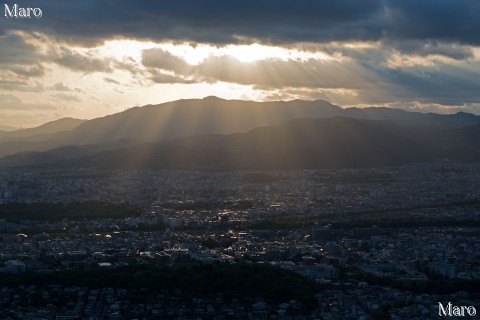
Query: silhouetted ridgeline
{"points": [[216, 134]]}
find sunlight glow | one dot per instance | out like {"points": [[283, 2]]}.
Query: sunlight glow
{"points": [[255, 52], [121, 49], [195, 54]]}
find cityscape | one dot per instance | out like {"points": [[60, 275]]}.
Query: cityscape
{"points": [[418, 246]]}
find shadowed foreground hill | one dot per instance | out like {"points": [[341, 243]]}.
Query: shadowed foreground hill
{"points": [[297, 144], [41, 138]]}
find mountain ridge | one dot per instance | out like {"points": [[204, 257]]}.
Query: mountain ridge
{"points": [[213, 115], [51, 127], [332, 143]]}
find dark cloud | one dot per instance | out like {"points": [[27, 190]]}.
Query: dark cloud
{"points": [[19, 57], [446, 84], [24, 60], [82, 63], [268, 21], [59, 86], [161, 59], [14, 50], [442, 20]]}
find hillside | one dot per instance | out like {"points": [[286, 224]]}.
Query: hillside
{"points": [[297, 144], [209, 116]]}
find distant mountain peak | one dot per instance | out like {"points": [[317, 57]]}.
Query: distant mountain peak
{"points": [[52, 127], [213, 98]]}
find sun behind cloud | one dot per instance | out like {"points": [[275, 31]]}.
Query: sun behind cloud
{"points": [[377, 53]]}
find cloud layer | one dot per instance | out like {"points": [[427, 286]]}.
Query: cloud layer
{"points": [[269, 21], [420, 55]]}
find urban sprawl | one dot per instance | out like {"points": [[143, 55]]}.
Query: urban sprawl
{"points": [[375, 242]]}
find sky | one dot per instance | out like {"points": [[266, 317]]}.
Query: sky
{"points": [[90, 58]]}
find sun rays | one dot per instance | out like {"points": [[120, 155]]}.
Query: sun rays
{"points": [[87, 81]]}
